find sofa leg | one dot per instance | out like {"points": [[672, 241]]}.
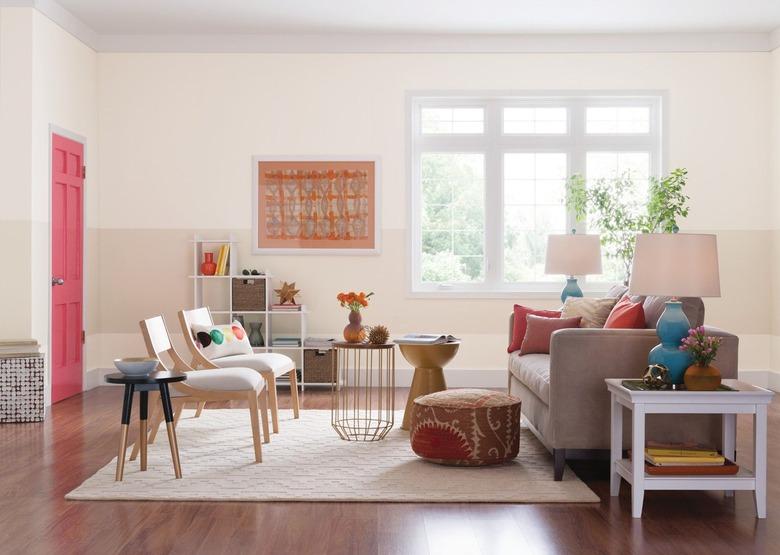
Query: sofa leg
{"points": [[559, 462]]}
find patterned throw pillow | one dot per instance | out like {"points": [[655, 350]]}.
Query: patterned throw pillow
{"points": [[594, 312], [221, 341]]}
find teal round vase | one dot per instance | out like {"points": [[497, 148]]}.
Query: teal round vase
{"points": [[572, 289], [671, 328]]}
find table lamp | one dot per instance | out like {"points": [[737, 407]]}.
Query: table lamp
{"points": [[573, 255], [674, 265]]}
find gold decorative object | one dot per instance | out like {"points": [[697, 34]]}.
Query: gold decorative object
{"points": [[429, 362], [378, 335], [287, 293], [657, 377], [363, 391]]}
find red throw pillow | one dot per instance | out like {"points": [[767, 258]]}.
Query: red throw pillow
{"points": [[626, 315], [518, 329], [540, 330]]}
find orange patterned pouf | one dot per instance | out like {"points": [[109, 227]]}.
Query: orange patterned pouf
{"points": [[466, 427]]}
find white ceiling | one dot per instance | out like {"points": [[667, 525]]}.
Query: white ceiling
{"points": [[150, 17]]}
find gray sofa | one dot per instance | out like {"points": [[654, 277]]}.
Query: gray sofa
{"points": [[565, 400]]}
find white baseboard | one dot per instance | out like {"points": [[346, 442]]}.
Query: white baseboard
{"points": [[762, 378]]}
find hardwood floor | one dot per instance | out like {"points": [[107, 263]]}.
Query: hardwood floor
{"points": [[40, 463]]}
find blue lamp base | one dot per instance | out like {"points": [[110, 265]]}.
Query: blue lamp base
{"points": [[572, 290], [671, 328]]}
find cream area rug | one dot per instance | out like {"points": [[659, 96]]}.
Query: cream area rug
{"points": [[307, 461]]}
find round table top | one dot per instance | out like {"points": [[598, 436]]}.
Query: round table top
{"points": [[348, 345], [159, 376]]}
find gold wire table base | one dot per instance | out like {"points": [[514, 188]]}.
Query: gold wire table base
{"points": [[363, 391]]}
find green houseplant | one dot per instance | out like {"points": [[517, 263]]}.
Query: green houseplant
{"points": [[615, 208]]}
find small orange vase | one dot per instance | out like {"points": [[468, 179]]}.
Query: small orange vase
{"points": [[209, 267], [354, 332], [702, 378]]}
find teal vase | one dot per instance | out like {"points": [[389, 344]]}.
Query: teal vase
{"points": [[671, 328], [572, 289]]}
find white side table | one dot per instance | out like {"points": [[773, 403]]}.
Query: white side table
{"points": [[748, 399]]}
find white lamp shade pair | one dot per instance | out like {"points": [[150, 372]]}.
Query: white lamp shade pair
{"points": [[676, 265], [573, 255]]}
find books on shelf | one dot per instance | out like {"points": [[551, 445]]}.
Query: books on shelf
{"points": [[286, 342], [222, 259], [319, 343], [425, 339], [286, 307], [683, 455], [19, 348]]}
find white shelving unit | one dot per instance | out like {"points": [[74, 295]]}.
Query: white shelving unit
{"points": [[208, 287]]}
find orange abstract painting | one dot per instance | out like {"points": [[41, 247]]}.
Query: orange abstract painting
{"points": [[316, 205]]}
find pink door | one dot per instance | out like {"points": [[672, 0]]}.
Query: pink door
{"points": [[67, 220]]}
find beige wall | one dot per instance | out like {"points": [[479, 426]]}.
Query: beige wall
{"points": [[47, 78], [177, 132]]}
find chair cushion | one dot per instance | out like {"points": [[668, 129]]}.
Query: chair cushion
{"points": [[275, 363], [466, 427], [225, 379], [534, 372]]}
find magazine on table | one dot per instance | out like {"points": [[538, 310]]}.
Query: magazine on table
{"points": [[425, 339]]}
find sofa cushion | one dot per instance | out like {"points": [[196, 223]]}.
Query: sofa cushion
{"points": [[534, 372], [626, 315], [519, 324], [693, 307], [594, 311], [617, 291]]}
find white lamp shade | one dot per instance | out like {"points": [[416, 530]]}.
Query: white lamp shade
{"points": [[573, 255], [676, 265]]}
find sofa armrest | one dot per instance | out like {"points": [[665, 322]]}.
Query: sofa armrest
{"points": [[581, 358]]}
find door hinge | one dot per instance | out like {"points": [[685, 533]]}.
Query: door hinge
{"points": [[83, 172], [83, 337]]}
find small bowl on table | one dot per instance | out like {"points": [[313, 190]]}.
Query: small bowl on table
{"points": [[136, 366]]}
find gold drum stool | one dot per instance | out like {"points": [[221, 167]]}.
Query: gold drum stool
{"points": [[363, 391], [429, 362]]}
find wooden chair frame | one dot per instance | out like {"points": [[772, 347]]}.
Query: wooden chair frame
{"points": [[199, 360], [258, 401]]}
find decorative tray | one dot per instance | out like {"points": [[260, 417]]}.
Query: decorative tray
{"points": [[728, 468], [639, 385]]}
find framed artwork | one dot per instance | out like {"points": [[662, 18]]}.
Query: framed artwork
{"points": [[305, 205]]}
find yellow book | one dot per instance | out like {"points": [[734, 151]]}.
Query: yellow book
{"points": [[717, 460], [671, 452], [220, 257], [225, 260]]}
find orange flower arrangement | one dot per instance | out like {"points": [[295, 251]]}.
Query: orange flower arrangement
{"points": [[354, 301]]}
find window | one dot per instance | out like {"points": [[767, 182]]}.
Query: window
{"points": [[489, 182]]}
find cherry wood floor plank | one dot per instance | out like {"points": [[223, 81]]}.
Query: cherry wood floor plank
{"points": [[42, 462]]}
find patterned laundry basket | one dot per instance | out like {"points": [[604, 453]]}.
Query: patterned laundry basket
{"points": [[466, 427]]}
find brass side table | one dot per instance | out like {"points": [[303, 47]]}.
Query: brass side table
{"points": [[363, 391], [429, 362]]}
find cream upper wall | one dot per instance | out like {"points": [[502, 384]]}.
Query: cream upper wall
{"points": [[177, 127], [177, 133]]}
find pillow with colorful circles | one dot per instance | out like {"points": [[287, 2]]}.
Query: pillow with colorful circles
{"points": [[219, 341]]}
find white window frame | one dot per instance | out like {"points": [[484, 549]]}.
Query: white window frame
{"points": [[494, 143]]}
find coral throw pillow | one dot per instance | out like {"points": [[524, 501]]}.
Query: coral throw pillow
{"points": [[222, 341], [540, 330], [626, 315], [518, 328]]}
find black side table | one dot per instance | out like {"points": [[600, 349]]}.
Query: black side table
{"points": [[159, 379]]}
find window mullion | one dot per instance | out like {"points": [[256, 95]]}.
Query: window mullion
{"points": [[493, 199]]}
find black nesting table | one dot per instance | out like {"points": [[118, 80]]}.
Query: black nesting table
{"points": [[143, 384]]}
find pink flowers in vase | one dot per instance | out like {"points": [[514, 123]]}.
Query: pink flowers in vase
{"points": [[702, 348]]}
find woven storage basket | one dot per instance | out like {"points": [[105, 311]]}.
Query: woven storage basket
{"points": [[318, 365], [248, 294]]}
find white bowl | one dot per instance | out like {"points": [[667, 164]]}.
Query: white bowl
{"points": [[136, 366]]}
